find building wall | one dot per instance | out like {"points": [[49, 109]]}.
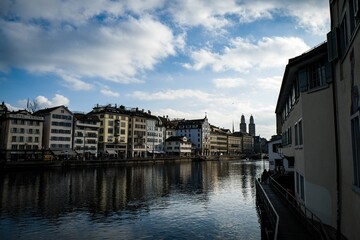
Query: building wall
{"points": [[319, 154], [58, 129], [22, 131], [86, 136], [234, 144], [155, 135], [274, 154], [218, 143], [346, 81], [137, 137], [113, 131]]}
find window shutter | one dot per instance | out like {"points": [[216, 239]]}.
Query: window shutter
{"points": [[332, 45], [328, 72], [303, 80]]}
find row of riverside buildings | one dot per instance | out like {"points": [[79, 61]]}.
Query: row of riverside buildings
{"points": [[113, 132], [318, 125]]}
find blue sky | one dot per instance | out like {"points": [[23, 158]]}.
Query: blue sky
{"points": [[181, 58]]}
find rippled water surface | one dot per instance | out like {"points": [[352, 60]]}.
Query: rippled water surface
{"points": [[199, 200]]}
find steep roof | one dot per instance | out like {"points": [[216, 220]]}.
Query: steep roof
{"points": [[46, 111]]}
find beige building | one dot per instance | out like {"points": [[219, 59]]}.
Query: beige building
{"points": [[137, 138], [218, 141], [113, 130], [305, 119], [86, 133], [233, 144], [21, 135], [247, 142], [344, 54], [58, 128]]}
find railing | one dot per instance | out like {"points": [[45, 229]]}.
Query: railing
{"points": [[310, 220], [269, 208]]}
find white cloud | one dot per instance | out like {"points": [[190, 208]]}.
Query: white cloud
{"points": [[228, 82], [116, 52], [75, 83], [312, 15], [74, 12], [243, 55], [57, 100], [171, 95], [272, 83], [109, 93]]}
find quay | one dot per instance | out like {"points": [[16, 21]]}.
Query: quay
{"points": [[282, 217], [90, 163], [71, 163]]}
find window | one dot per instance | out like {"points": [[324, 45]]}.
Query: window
{"points": [[13, 139], [14, 147], [355, 139], [302, 188], [317, 75], [298, 133]]}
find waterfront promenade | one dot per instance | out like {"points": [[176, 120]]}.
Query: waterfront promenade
{"points": [[289, 227], [283, 217]]}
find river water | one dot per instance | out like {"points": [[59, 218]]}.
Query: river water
{"points": [[192, 200]]}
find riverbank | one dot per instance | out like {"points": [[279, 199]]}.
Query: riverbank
{"points": [[88, 163], [4, 165]]}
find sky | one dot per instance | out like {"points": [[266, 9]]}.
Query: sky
{"points": [[176, 58]]}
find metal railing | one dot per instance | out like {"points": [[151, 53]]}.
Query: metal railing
{"points": [[310, 220], [269, 208]]}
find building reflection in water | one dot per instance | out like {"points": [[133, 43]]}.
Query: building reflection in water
{"points": [[103, 191]]}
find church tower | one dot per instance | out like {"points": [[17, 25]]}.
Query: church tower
{"points": [[252, 126], [242, 124]]}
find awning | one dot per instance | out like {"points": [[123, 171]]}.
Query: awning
{"points": [[64, 152], [111, 152]]}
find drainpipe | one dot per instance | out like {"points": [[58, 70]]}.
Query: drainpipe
{"points": [[338, 164]]}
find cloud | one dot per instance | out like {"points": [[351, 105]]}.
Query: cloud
{"points": [[118, 52], [77, 12], [228, 82], [57, 100], [107, 92], [272, 83], [312, 15], [171, 95], [75, 83], [242, 54]]}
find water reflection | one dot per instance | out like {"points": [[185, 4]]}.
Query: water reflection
{"points": [[185, 200]]}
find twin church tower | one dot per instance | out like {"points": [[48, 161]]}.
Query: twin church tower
{"points": [[251, 125]]}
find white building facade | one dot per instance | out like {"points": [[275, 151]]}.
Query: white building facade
{"points": [[86, 133], [198, 132], [58, 129]]}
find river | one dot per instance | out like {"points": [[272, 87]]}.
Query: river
{"points": [[189, 200]]}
